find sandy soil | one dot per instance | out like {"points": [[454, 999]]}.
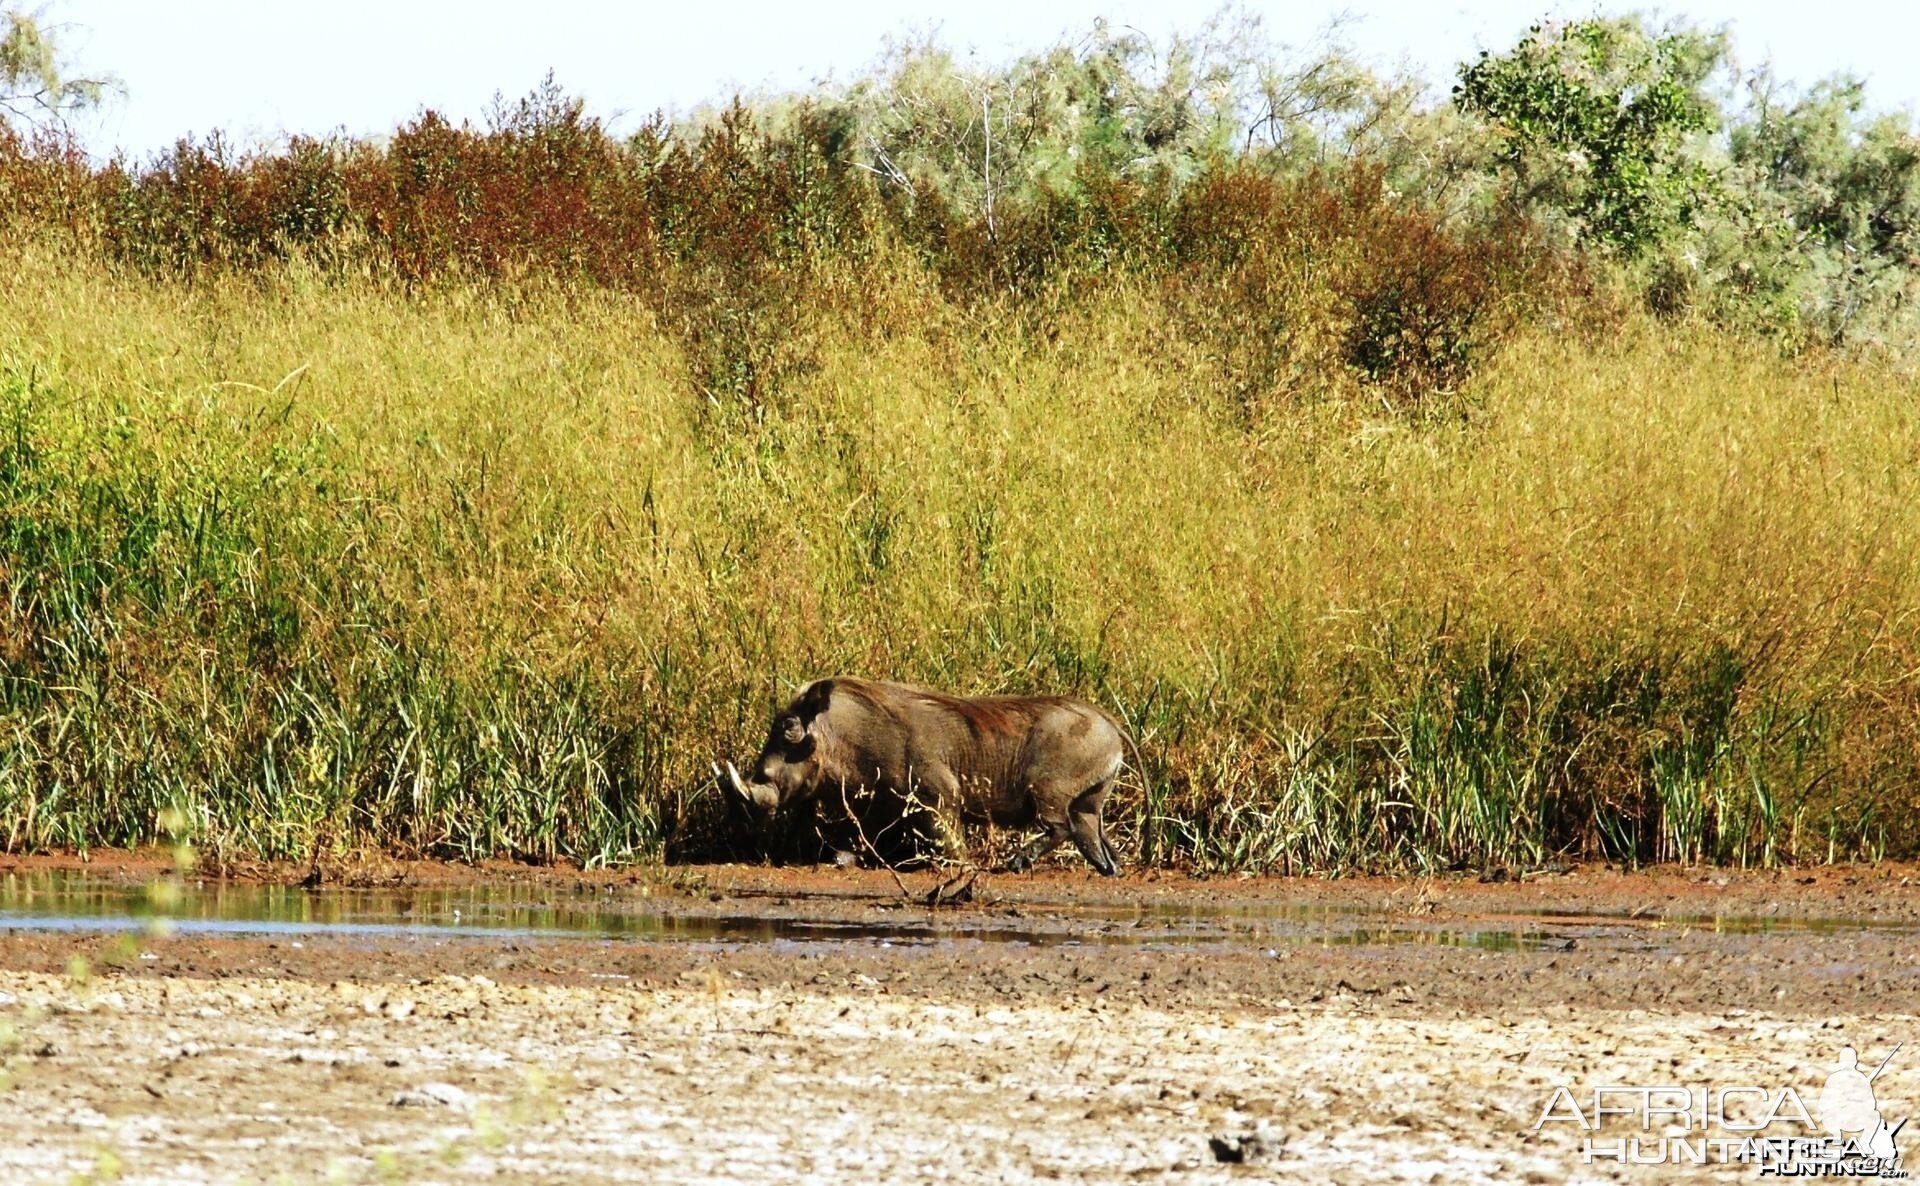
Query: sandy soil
{"points": [[1381, 1043]]}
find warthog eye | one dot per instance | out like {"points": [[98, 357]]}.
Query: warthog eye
{"points": [[792, 730]]}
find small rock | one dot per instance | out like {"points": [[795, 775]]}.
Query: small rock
{"points": [[958, 888], [434, 1095], [1259, 1146]]}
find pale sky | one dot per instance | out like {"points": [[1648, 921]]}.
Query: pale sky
{"points": [[260, 69]]}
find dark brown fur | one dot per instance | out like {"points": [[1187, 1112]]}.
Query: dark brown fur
{"points": [[1011, 760]]}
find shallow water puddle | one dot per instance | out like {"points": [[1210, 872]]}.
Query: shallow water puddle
{"points": [[74, 901], [69, 902], [62, 901]]}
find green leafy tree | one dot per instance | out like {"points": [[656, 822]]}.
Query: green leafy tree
{"points": [[1599, 120], [1842, 177], [35, 87], [1113, 102], [1824, 234]]}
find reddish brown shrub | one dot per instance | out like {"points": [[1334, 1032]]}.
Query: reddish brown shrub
{"points": [[742, 238], [1287, 279]]}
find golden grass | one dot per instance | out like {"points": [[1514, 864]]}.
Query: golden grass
{"points": [[1609, 576]]}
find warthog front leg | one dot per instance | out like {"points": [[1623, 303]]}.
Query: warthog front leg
{"points": [[935, 799]]}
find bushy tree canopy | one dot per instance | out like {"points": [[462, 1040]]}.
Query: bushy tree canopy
{"points": [[1597, 118], [34, 85], [1115, 103], [1708, 191]]}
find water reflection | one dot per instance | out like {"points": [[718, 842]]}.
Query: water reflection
{"points": [[69, 900], [60, 900]]}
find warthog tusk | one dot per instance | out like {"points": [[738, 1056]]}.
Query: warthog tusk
{"points": [[739, 787]]}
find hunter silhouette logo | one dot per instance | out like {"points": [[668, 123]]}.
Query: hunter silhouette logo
{"points": [[1847, 1106], [1769, 1128]]}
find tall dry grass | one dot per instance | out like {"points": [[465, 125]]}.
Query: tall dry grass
{"points": [[329, 563]]}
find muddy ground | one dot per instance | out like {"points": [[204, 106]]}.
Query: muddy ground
{"points": [[1055, 1027]]}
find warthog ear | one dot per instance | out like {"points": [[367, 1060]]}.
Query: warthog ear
{"points": [[813, 699]]}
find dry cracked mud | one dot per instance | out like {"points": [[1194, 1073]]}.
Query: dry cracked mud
{"points": [[814, 1026]]}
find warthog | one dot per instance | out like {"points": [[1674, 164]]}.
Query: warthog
{"points": [[1013, 760]]}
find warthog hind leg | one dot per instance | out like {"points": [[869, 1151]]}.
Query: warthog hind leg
{"points": [[1046, 842], [1082, 824], [1083, 821]]}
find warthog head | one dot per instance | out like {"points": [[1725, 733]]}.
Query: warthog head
{"points": [[788, 770]]}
